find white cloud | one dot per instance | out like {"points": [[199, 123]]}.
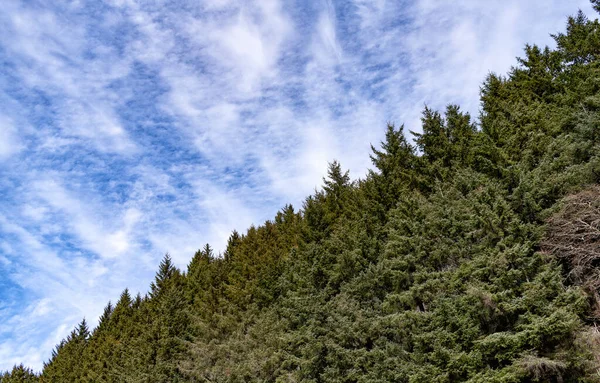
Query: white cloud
{"points": [[326, 50], [96, 233], [9, 139], [51, 51]]}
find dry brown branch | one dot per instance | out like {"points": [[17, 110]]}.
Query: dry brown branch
{"points": [[543, 369], [573, 237]]}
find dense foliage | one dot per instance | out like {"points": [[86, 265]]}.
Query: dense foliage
{"points": [[455, 260]]}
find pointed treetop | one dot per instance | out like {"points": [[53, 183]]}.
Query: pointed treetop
{"points": [[105, 317], [20, 373], [166, 270], [124, 299], [395, 151], [232, 242], [458, 124], [433, 141], [208, 252], [336, 178], [83, 331], [138, 300], [286, 214]]}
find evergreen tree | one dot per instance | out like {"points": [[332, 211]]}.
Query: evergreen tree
{"points": [[433, 142], [19, 374], [163, 278], [397, 166]]}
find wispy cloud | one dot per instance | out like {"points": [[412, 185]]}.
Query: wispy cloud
{"points": [[9, 139], [129, 129]]}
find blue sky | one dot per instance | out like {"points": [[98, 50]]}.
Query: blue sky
{"points": [[132, 128]]}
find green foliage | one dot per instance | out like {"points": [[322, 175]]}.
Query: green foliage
{"points": [[19, 374], [434, 268]]}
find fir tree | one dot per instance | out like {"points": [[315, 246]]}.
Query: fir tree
{"points": [[163, 278]]}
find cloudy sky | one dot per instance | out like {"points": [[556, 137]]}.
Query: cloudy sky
{"points": [[131, 128]]}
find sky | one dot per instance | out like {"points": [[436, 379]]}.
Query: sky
{"points": [[132, 128]]}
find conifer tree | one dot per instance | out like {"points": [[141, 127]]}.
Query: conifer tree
{"points": [[233, 240], [163, 278], [19, 374], [83, 331], [396, 154], [397, 166], [105, 317], [336, 187], [433, 142]]}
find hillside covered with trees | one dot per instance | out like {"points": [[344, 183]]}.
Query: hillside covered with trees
{"points": [[469, 255]]}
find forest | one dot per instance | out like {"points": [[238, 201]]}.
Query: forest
{"points": [[469, 254]]}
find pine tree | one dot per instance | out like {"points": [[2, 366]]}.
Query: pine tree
{"points": [[163, 278], [397, 166], [83, 331], [19, 374], [434, 141], [336, 187], [105, 317], [233, 240], [396, 155]]}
